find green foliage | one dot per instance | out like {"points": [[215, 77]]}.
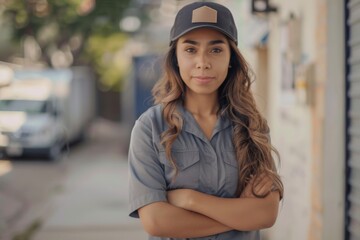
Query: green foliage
{"points": [[74, 24], [109, 60], [72, 16]]}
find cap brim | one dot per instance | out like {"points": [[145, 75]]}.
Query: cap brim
{"points": [[202, 26]]}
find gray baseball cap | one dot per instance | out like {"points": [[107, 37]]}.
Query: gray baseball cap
{"points": [[204, 14]]}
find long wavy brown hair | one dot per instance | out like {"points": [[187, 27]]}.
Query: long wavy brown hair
{"points": [[250, 130]]}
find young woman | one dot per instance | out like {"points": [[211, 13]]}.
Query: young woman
{"points": [[200, 160]]}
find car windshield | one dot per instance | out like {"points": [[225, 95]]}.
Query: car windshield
{"points": [[28, 106]]}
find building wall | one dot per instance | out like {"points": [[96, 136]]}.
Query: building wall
{"points": [[333, 164], [306, 119], [290, 118]]}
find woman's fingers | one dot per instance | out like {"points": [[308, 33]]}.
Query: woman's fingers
{"points": [[247, 192], [262, 184], [259, 185], [263, 189]]}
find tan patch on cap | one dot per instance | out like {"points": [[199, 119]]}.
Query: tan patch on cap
{"points": [[204, 14]]}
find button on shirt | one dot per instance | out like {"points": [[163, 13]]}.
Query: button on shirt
{"points": [[207, 166]]}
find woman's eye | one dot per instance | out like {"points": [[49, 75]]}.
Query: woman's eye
{"points": [[216, 50], [190, 50]]}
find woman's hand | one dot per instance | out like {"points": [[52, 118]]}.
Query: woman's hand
{"points": [[262, 186], [180, 197]]}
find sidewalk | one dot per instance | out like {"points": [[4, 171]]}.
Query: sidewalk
{"points": [[93, 200]]}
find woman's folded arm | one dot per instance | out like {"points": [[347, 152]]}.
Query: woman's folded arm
{"points": [[162, 219]]}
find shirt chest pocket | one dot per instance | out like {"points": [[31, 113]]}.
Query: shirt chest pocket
{"points": [[188, 165], [231, 171]]}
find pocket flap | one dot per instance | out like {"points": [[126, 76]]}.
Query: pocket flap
{"points": [[230, 158], [182, 158]]}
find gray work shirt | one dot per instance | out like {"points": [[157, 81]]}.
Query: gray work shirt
{"points": [[208, 166]]}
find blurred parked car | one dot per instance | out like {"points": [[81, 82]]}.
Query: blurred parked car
{"points": [[42, 111], [6, 75]]}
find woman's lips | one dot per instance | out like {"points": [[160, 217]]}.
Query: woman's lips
{"points": [[203, 79]]}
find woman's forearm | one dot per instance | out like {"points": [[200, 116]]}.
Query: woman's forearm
{"points": [[242, 214], [165, 220]]}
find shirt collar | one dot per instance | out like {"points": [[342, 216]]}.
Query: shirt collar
{"points": [[191, 126]]}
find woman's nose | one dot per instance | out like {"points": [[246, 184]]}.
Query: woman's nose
{"points": [[203, 62]]}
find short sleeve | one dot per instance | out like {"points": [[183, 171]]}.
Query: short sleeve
{"points": [[147, 182]]}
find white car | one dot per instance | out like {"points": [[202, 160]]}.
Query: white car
{"points": [[29, 120], [43, 110]]}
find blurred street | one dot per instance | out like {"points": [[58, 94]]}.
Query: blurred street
{"points": [[82, 196], [65, 63]]}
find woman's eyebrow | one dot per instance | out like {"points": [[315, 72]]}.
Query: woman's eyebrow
{"points": [[216, 42], [190, 42], [212, 42]]}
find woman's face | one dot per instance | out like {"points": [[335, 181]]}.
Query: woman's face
{"points": [[203, 57]]}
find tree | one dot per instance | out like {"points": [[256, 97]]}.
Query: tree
{"points": [[67, 32], [63, 24]]}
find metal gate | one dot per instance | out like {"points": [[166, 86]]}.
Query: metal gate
{"points": [[353, 119]]}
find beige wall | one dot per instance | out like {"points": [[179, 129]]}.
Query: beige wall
{"points": [[309, 136], [333, 166], [291, 122]]}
